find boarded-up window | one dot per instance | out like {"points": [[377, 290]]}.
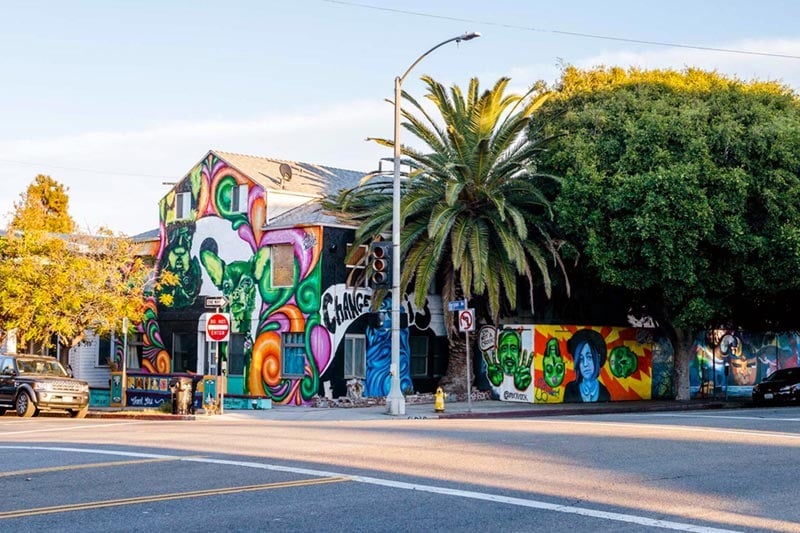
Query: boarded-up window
{"points": [[282, 265], [357, 267]]}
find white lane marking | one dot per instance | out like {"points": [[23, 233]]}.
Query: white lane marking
{"points": [[690, 429], [533, 504], [69, 428], [731, 417]]}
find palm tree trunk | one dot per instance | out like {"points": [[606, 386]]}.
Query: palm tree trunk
{"points": [[455, 379]]}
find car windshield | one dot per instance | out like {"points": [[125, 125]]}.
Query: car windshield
{"points": [[41, 367], [784, 374]]}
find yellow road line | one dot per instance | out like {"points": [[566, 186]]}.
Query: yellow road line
{"points": [[166, 497], [86, 465]]}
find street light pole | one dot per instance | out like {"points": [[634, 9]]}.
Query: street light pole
{"points": [[396, 402]]}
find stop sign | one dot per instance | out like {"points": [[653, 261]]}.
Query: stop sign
{"points": [[218, 327]]}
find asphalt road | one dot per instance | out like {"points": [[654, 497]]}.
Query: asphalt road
{"points": [[688, 471]]}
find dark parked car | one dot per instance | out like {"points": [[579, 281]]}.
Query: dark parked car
{"points": [[781, 386], [32, 383]]}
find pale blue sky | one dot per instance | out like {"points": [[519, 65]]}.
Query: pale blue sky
{"points": [[122, 96]]}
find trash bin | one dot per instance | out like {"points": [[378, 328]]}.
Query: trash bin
{"points": [[181, 389]]}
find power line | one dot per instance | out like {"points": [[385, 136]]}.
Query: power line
{"points": [[78, 169], [562, 32]]}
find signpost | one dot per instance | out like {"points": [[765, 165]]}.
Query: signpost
{"points": [[215, 302], [218, 329], [466, 323], [457, 305]]}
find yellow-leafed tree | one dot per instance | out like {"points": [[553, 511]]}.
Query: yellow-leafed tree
{"points": [[57, 284]]}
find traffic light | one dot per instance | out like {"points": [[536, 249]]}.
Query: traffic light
{"points": [[380, 262]]}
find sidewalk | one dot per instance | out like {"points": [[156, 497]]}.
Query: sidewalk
{"points": [[453, 410]]}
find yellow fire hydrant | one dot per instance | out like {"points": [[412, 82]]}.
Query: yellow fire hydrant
{"points": [[438, 404]]}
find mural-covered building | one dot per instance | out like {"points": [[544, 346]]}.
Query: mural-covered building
{"points": [[252, 230]]}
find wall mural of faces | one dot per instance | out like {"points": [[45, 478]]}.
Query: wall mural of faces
{"points": [[729, 362], [554, 364]]}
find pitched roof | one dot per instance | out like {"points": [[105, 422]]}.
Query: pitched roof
{"points": [[292, 176]]}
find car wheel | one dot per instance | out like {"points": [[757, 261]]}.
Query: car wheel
{"points": [[79, 413], [2, 411], [24, 405]]}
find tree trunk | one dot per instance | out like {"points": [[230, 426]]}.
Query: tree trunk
{"points": [[683, 349], [455, 379]]}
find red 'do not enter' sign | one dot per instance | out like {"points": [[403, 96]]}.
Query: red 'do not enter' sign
{"points": [[218, 326]]}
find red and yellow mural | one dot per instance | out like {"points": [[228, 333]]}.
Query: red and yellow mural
{"points": [[555, 364]]}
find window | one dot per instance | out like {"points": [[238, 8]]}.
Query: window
{"points": [[357, 267], [419, 355], [355, 356], [236, 354], [184, 352], [282, 265], [294, 355], [183, 205], [135, 351], [104, 351], [239, 199]]}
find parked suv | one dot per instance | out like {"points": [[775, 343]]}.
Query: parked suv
{"points": [[32, 383]]}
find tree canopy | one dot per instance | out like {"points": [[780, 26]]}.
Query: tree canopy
{"points": [[475, 217], [684, 188], [44, 206], [57, 285]]}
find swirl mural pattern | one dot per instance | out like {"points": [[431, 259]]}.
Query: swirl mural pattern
{"points": [[292, 309]]}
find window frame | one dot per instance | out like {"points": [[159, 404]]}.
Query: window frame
{"points": [[418, 356], [350, 357], [274, 266], [356, 268], [239, 195], [183, 205], [101, 361], [293, 345]]}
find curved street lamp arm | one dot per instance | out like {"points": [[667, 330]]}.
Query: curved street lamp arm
{"points": [[465, 37]]}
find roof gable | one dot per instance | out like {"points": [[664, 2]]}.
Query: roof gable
{"points": [[292, 176]]}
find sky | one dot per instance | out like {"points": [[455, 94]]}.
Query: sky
{"points": [[117, 100]]}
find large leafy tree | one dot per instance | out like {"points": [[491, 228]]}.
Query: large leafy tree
{"points": [[44, 206], [684, 189], [474, 214], [58, 286]]}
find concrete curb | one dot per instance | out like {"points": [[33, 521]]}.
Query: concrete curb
{"points": [[597, 409]]}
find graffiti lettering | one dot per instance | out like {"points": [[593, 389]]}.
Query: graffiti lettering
{"points": [[335, 311], [508, 395]]}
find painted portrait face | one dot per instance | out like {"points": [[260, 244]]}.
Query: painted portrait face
{"points": [[622, 361], [553, 364], [508, 351], [586, 361]]}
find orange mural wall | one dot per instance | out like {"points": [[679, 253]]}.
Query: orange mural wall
{"points": [[625, 364]]}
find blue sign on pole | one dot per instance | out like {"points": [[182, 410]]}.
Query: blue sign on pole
{"points": [[457, 305]]}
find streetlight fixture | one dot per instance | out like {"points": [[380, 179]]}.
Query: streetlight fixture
{"points": [[396, 402]]}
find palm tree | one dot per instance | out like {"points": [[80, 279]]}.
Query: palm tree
{"points": [[473, 208]]}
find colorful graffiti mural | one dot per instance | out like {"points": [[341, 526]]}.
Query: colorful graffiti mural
{"points": [[260, 311], [554, 364], [728, 363], [220, 247]]}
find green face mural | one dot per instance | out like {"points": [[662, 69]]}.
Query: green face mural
{"points": [[186, 269], [509, 360], [553, 364], [622, 362]]}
